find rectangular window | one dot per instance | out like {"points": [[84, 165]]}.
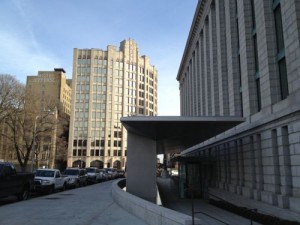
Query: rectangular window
{"points": [[256, 60], [283, 80]]}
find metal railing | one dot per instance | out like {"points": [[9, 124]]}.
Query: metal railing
{"points": [[221, 199], [199, 212]]}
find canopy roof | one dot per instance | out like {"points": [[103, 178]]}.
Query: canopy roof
{"points": [[178, 131]]}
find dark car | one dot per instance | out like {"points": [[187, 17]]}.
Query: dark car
{"points": [[14, 183], [121, 173]]}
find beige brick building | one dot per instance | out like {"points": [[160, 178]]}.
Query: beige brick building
{"points": [[53, 89], [52, 86], [107, 85], [242, 59]]}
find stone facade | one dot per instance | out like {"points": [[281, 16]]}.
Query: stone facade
{"points": [[244, 57]]}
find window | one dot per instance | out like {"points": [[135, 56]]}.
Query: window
{"points": [[280, 50], [256, 64]]}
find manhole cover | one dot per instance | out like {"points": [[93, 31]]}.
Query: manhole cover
{"points": [[66, 194], [52, 198]]}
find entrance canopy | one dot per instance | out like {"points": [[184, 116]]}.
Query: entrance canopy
{"points": [[149, 136], [173, 132]]}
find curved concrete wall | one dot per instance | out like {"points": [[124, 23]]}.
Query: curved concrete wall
{"points": [[151, 213]]}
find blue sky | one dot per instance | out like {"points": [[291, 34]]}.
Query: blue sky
{"points": [[41, 34]]}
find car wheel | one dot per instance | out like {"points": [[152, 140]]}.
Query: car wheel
{"points": [[63, 187], [24, 194], [51, 190]]}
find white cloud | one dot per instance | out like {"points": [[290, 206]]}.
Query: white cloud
{"points": [[22, 56]]}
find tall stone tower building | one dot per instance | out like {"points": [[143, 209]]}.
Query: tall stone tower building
{"points": [[108, 85]]}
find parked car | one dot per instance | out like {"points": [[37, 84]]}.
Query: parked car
{"points": [[93, 175], [121, 173], [77, 177], [13, 182], [108, 174], [49, 180], [113, 172], [104, 175]]}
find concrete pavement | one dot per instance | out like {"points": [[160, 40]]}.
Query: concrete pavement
{"points": [[91, 205]]}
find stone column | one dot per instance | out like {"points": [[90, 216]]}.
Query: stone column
{"points": [[141, 167]]}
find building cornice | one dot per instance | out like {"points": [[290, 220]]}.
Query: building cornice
{"points": [[198, 21]]}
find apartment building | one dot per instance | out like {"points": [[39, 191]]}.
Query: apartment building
{"points": [[107, 85], [242, 59]]}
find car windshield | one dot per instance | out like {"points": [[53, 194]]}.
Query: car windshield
{"points": [[71, 172], [90, 170], [44, 173]]}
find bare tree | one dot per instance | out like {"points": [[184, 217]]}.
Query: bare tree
{"points": [[27, 125], [32, 124], [62, 141], [10, 91]]}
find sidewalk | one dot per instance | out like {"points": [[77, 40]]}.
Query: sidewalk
{"points": [[170, 199], [91, 205]]}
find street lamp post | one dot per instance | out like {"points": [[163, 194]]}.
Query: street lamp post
{"points": [[33, 150], [33, 147]]}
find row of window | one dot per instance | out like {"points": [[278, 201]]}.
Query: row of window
{"points": [[96, 152], [97, 143], [103, 63]]}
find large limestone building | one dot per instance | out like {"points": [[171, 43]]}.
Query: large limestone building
{"points": [[107, 85], [242, 59]]}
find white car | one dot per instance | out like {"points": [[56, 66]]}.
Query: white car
{"points": [[48, 180], [76, 177], [93, 175]]}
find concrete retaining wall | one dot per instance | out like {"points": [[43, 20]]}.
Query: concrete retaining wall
{"points": [[151, 213]]}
